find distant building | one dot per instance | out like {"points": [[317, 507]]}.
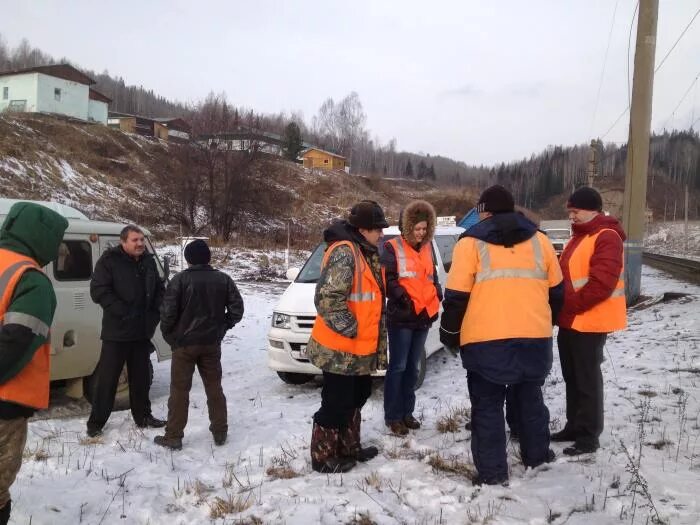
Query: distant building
{"points": [[170, 128], [318, 158], [246, 139], [58, 89]]}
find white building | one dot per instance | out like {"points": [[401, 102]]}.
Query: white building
{"points": [[58, 89]]}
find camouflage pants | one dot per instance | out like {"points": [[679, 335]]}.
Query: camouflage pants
{"points": [[13, 436]]}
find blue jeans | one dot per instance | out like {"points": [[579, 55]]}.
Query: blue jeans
{"points": [[405, 350]]}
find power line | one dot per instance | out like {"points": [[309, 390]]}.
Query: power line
{"points": [[629, 94], [602, 72], [663, 61], [677, 40], [682, 99], [629, 45]]}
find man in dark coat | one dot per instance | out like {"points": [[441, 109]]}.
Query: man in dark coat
{"points": [[127, 286], [201, 304]]}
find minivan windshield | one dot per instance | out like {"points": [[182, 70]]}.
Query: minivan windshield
{"points": [[558, 233], [311, 271]]}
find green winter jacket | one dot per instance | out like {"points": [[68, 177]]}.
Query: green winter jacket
{"points": [[34, 231]]}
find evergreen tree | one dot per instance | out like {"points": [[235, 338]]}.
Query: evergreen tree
{"points": [[293, 144], [408, 173], [422, 171], [431, 173]]}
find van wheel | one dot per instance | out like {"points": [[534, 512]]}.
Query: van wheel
{"points": [[121, 398], [293, 378], [422, 366]]}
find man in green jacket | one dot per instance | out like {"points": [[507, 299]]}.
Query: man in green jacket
{"points": [[33, 231]]}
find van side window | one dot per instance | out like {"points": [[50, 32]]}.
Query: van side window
{"points": [[74, 261]]}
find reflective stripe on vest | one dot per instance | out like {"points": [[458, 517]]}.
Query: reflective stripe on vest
{"points": [[486, 273], [609, 315], [509, 295], [416, 275], [30, 387], [365, 304]]}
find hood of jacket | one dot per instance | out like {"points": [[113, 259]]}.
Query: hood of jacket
{"points": [[599, 222], [33, 230], [503, 229], [415, 212], [341, 230]]}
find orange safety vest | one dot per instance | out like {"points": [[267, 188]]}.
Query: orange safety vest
{"points": [[609, 315], [416, 270], [30, 387], [509, 298], [365, 302]]}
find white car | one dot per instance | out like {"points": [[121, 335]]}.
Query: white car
{"points": [[293, 317]]}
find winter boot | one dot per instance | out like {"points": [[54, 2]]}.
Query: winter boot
{"points": [[324, 451], [168, 442], [411, 422], [220, 438], [5, 513], [565, 434], [350, 440]]}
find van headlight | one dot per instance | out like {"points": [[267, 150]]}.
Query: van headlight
{"points": [[281, 320]]}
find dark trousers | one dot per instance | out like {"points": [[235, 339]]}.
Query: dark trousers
{"points": [[405, 350], [581, 354], [207, 359], [488, 426], [112, 358], [340, 396]]}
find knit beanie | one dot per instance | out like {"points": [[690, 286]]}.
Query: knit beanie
{"points": [[197, 252], [367, 215], [585, 198], [495, 199]]}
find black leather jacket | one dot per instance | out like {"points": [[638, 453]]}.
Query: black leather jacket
{"points": [[129, 292], [200, 305]]}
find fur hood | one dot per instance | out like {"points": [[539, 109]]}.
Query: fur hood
{"points": [[415, 212]]}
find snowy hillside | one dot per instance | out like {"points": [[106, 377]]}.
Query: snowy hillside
{"points": [[648, 469]]}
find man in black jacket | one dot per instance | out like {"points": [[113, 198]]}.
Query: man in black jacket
{"points": [[127, 286], [201, 304]]}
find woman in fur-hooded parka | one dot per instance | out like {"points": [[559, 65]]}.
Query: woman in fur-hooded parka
{"points": [[407, 327]]}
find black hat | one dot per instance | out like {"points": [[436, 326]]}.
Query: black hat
{"points": [[495, 199], [197, 252], [585, 198], [367, 215]]}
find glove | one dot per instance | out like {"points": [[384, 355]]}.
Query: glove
{"points": [[450, 341]]}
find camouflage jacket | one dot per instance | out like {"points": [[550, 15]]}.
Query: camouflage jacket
{"points": [[332, 290]]}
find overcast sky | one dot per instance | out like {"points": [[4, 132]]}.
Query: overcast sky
{"points": [[480, 81]]}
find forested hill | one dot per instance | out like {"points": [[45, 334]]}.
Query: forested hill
{"points": [[538, 182]]}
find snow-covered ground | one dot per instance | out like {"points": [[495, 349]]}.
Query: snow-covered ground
{"points": [[647, 469], [669, 238]]}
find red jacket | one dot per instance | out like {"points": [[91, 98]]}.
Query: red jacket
{"points": [[606, 265]]}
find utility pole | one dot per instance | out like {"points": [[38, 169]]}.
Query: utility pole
{"points": [[638, 146], [592, 163], [685, 226]]}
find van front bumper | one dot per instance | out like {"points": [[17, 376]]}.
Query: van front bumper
{"points": [[290, 358]]}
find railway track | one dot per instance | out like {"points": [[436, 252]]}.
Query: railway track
{"points": [[686, 269]]}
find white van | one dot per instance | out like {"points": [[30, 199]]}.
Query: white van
{"points": [[294, 315], [75, 332]]}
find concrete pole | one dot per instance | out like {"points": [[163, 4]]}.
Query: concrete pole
{"points": [[591, 171], [685, 226], [638, 146]]}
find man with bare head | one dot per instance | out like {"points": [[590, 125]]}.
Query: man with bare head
{"points": [[127, 286]]}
